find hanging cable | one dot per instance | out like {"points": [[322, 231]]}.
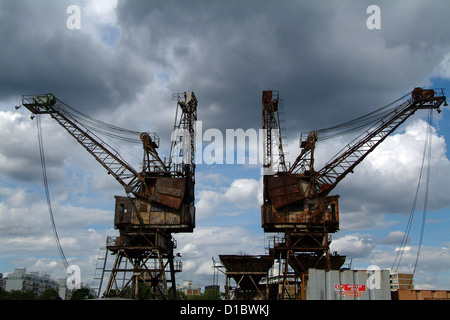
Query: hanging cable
{"points": [[47, 193], [363, 122], [427, 186], [426, 152], [99, 126]]}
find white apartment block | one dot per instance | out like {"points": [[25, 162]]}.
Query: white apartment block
{"points": [[22, 281]]}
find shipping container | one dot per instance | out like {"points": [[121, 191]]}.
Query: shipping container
{"points": [[348, 285]]}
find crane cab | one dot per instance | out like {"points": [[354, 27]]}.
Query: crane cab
{"points": [[319, 214], [39, 104], [291, 203], [154, 216]]}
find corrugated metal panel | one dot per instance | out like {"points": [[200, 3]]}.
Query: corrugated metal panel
{"points": [[348, 285]]}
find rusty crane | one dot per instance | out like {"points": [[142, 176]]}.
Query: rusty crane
{"points": [[159, 199], [297, 204], [296, 197]]}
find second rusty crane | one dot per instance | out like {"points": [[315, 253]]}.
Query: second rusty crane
{"points": [[296, 198]]}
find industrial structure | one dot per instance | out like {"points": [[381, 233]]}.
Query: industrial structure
{"points": [[159, 199], [247, 272], [297, 204]]}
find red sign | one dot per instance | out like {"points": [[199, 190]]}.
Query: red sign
{"points": [[350, 290]]}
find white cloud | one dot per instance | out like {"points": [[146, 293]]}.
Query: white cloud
{"points": [[354, 245], [205, 243], [244, 193], [432, 268], [394, 237], [443, 69], [21, 210], [209, 180], [101, 11], [19, 152], [386, 180], [99, 18], [364, 218], [26, 233], [240, 195], [207, 202]]}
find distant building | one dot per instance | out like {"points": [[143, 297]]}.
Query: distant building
{"points": [[406, 294], [22, 281], [189, 289], [402, 288], [401, 281]]}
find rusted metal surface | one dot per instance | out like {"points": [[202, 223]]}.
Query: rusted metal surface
{"points": [[246, 263], [283, 190], [247, 272], [422, 94], [304, 215], [136, 243], [270, 104], [302, 262], [147, 258], [167, 191], [153, 216], [273, 159], [150, 141]]}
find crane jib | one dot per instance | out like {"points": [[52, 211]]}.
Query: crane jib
{"points": [[348, 158], [125, 174], [298, 198]]}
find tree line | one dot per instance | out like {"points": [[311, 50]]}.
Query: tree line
{"points": [[49, 294]]}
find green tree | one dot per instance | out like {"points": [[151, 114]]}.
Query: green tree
{"points": [[21, 295], [81, 294], [181, 295], [49, 294], [3, 294], [212, 295]]}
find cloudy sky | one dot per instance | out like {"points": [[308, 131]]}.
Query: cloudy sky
{"points": [[127, 58]]}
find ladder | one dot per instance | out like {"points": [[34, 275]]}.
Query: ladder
{"points": [[100, 267]]}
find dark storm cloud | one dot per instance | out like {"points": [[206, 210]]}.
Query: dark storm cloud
{"points": [[327, 65], [39, 54], [321, 56], [226, 51]]}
